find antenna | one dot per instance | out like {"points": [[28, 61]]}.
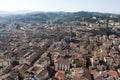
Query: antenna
{"points": [[107, 21], [71, 32], [58, 32]]}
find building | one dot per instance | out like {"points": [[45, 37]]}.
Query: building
{"points": [[42, 63], [42, 75], [81, 74], [60, 75], [22, 69], [29, 58], [62, 64]]}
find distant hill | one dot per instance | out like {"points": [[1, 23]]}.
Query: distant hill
{"points": [[51, 17], [6, 13]]}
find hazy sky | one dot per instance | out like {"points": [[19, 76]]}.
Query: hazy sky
{"points": [[112, 6]]}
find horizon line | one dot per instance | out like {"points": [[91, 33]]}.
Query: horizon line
{"points": [[30, 11]]}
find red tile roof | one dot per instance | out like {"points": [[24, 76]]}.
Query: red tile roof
{"points": [[113, 73], [60, 75]]}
